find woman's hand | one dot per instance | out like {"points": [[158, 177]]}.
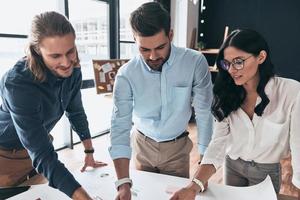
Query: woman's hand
{"points": [[184, 194], [188, 193]]}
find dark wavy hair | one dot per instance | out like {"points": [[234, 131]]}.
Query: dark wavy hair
{"points": [[47, 24], [228, 96], [149, 19]]}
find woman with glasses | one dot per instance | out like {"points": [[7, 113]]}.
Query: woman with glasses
{"points": [[257, 116]]}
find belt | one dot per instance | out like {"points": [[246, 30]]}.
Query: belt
{"points": [[14, 151], [11, 150], [184, 134], [31, 174], [26, 177]]}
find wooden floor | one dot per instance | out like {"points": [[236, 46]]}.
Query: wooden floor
{"points": [[73, 159]]}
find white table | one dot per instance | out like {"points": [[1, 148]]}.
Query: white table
{"points": [[148, 186]]}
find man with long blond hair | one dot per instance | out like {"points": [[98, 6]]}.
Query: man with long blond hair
{"points": [[35, 93]]}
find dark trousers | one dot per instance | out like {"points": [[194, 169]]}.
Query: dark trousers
{"points": [[246, 173]]}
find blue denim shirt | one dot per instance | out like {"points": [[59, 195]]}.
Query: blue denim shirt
{"points": [[30, 109], [159, 103]]}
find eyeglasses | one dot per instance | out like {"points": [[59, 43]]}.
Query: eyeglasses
{"points": [[237, 63]]}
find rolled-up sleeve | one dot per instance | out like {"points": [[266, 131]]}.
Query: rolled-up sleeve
{"points": [[202, 99], [121, 121], [215, 153], [295, 141]]}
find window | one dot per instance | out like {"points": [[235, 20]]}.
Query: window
{"points": [[16, 15], [127, 46], [14, 28], [128, 50], [91, 21], [11, 50]]}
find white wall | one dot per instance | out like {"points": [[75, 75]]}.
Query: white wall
{"points": [[184, 18], [60, 6]]}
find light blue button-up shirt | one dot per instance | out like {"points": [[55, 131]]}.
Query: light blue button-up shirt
{"points": [[160, 103]]}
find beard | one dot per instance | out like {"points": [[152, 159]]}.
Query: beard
{"points": [[63, 72], [156, 64]]}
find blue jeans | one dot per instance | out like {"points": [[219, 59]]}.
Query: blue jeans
{"points": [[246, 173]]}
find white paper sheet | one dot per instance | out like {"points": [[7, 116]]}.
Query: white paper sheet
{"points": [[41, 192], [261, 191], [99, 184], [107, 67]]}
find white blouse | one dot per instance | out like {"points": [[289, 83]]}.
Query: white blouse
{"points": [[264, 139]]}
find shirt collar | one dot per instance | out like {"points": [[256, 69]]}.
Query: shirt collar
{"points": [[51, 78], [268, 90], [172, 55], [269, 87]]}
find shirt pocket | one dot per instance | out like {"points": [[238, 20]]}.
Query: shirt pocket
{"points": [[272, 133], [181, 98]]}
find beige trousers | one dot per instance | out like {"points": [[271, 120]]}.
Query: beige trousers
{"points": [[170, 158]]}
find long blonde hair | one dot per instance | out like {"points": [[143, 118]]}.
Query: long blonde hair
{"points": [[47, 24]]}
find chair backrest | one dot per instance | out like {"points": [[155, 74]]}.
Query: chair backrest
{"points": [[105, 72]]}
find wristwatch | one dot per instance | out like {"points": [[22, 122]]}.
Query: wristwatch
{"points": [[89, 151], [199, 183], [121, 181]]}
